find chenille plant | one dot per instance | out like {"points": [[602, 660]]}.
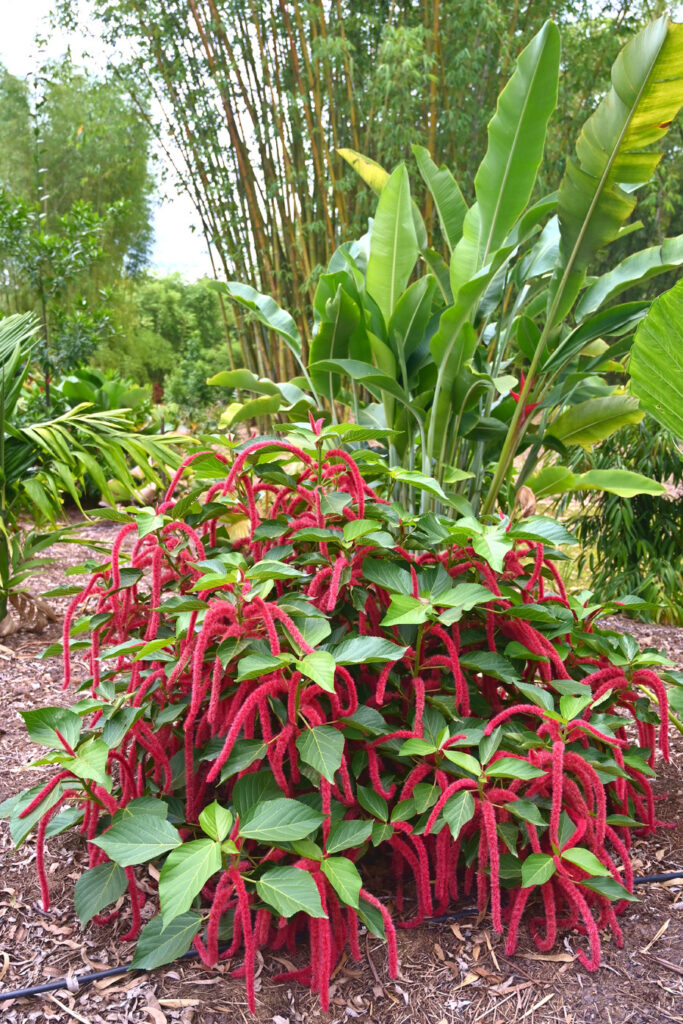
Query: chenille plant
{"points": [[286, 671]]}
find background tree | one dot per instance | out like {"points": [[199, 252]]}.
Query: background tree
{"points": [[75, 205], [254, 100]]}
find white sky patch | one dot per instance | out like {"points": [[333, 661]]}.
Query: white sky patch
{"points": [[176, 247]]}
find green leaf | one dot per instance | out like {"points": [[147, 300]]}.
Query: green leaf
{"points": [[186, 871], [527, 811], [614, 151], [543, 528], [457, 811], [255, 665], [416, 746], [116, 727], [91, 762], [393, 243], [372, 802], [372, 919], [97, 888], [585, 860], [638, 267], [590, 422], [610, 888], [20, 827], [463, 760], [266, 310], [366, 650], [138, 838], [43, 723], [322, 747], [448, 199], [215, 821], [517, 133], [537, 869], [342, 874], [289, 891], [617, 481], [348, 834], [656, 364], [280, 821], [160, 945], [253, 789], [405, 610], [242, 756], [513, 768], [572, 706], [319, 666]]}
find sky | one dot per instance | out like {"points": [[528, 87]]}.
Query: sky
{"points": [[176, 247]]}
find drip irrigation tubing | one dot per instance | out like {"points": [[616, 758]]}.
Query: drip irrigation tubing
{"points": [[112, 972]]}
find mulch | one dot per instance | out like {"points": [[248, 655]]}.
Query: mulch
{"points": [[449, 971]]}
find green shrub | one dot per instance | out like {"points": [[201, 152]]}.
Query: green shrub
{"points": [[635, 546], [291, 671]]}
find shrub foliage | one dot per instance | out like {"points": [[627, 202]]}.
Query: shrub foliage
{"points": [[261, 712]]}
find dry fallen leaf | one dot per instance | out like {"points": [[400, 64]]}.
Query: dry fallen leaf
{"points": [[555, 958], [469, 979], [178, 1004], [657, 936], [158, 1016]]}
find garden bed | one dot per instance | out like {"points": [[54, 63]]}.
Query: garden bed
{"points": [[449, 970]]}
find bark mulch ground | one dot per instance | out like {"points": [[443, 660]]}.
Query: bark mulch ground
{"points": [[450, 971]]}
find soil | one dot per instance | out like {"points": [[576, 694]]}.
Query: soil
{"points": [[449, 971]]}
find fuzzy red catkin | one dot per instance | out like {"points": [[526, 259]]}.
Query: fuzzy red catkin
{"points": [[489, 822], [389, 928]]}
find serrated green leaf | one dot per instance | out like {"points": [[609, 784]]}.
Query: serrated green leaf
{"points": [[137, 839], [158, 945], [537, 869], [372, 802], [186, 871], [348, 834], [215, 821], [322, 747], [586, 860], [458, 810], [342, 874], [513, 768], [289, 891], [97, 888], [280, 821], [42, 725], [319, 666]]}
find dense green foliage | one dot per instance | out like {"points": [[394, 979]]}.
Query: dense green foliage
{"points": [[44, 460], [74, 207], [506, 348], [636, 546], [263, 712], [272, 194]]}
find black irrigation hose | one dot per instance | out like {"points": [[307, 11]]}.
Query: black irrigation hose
{"points": [[112, 972]]}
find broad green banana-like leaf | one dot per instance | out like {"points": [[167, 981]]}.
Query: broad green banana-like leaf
{"points": [[243, 380], [448, 199], [374, 175], [517, 132], [266, 311], [506, 176], [640, 266], [612, 159], [393, 244], [333, 339], [656, 364], [622, 482], [590, 422]]}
